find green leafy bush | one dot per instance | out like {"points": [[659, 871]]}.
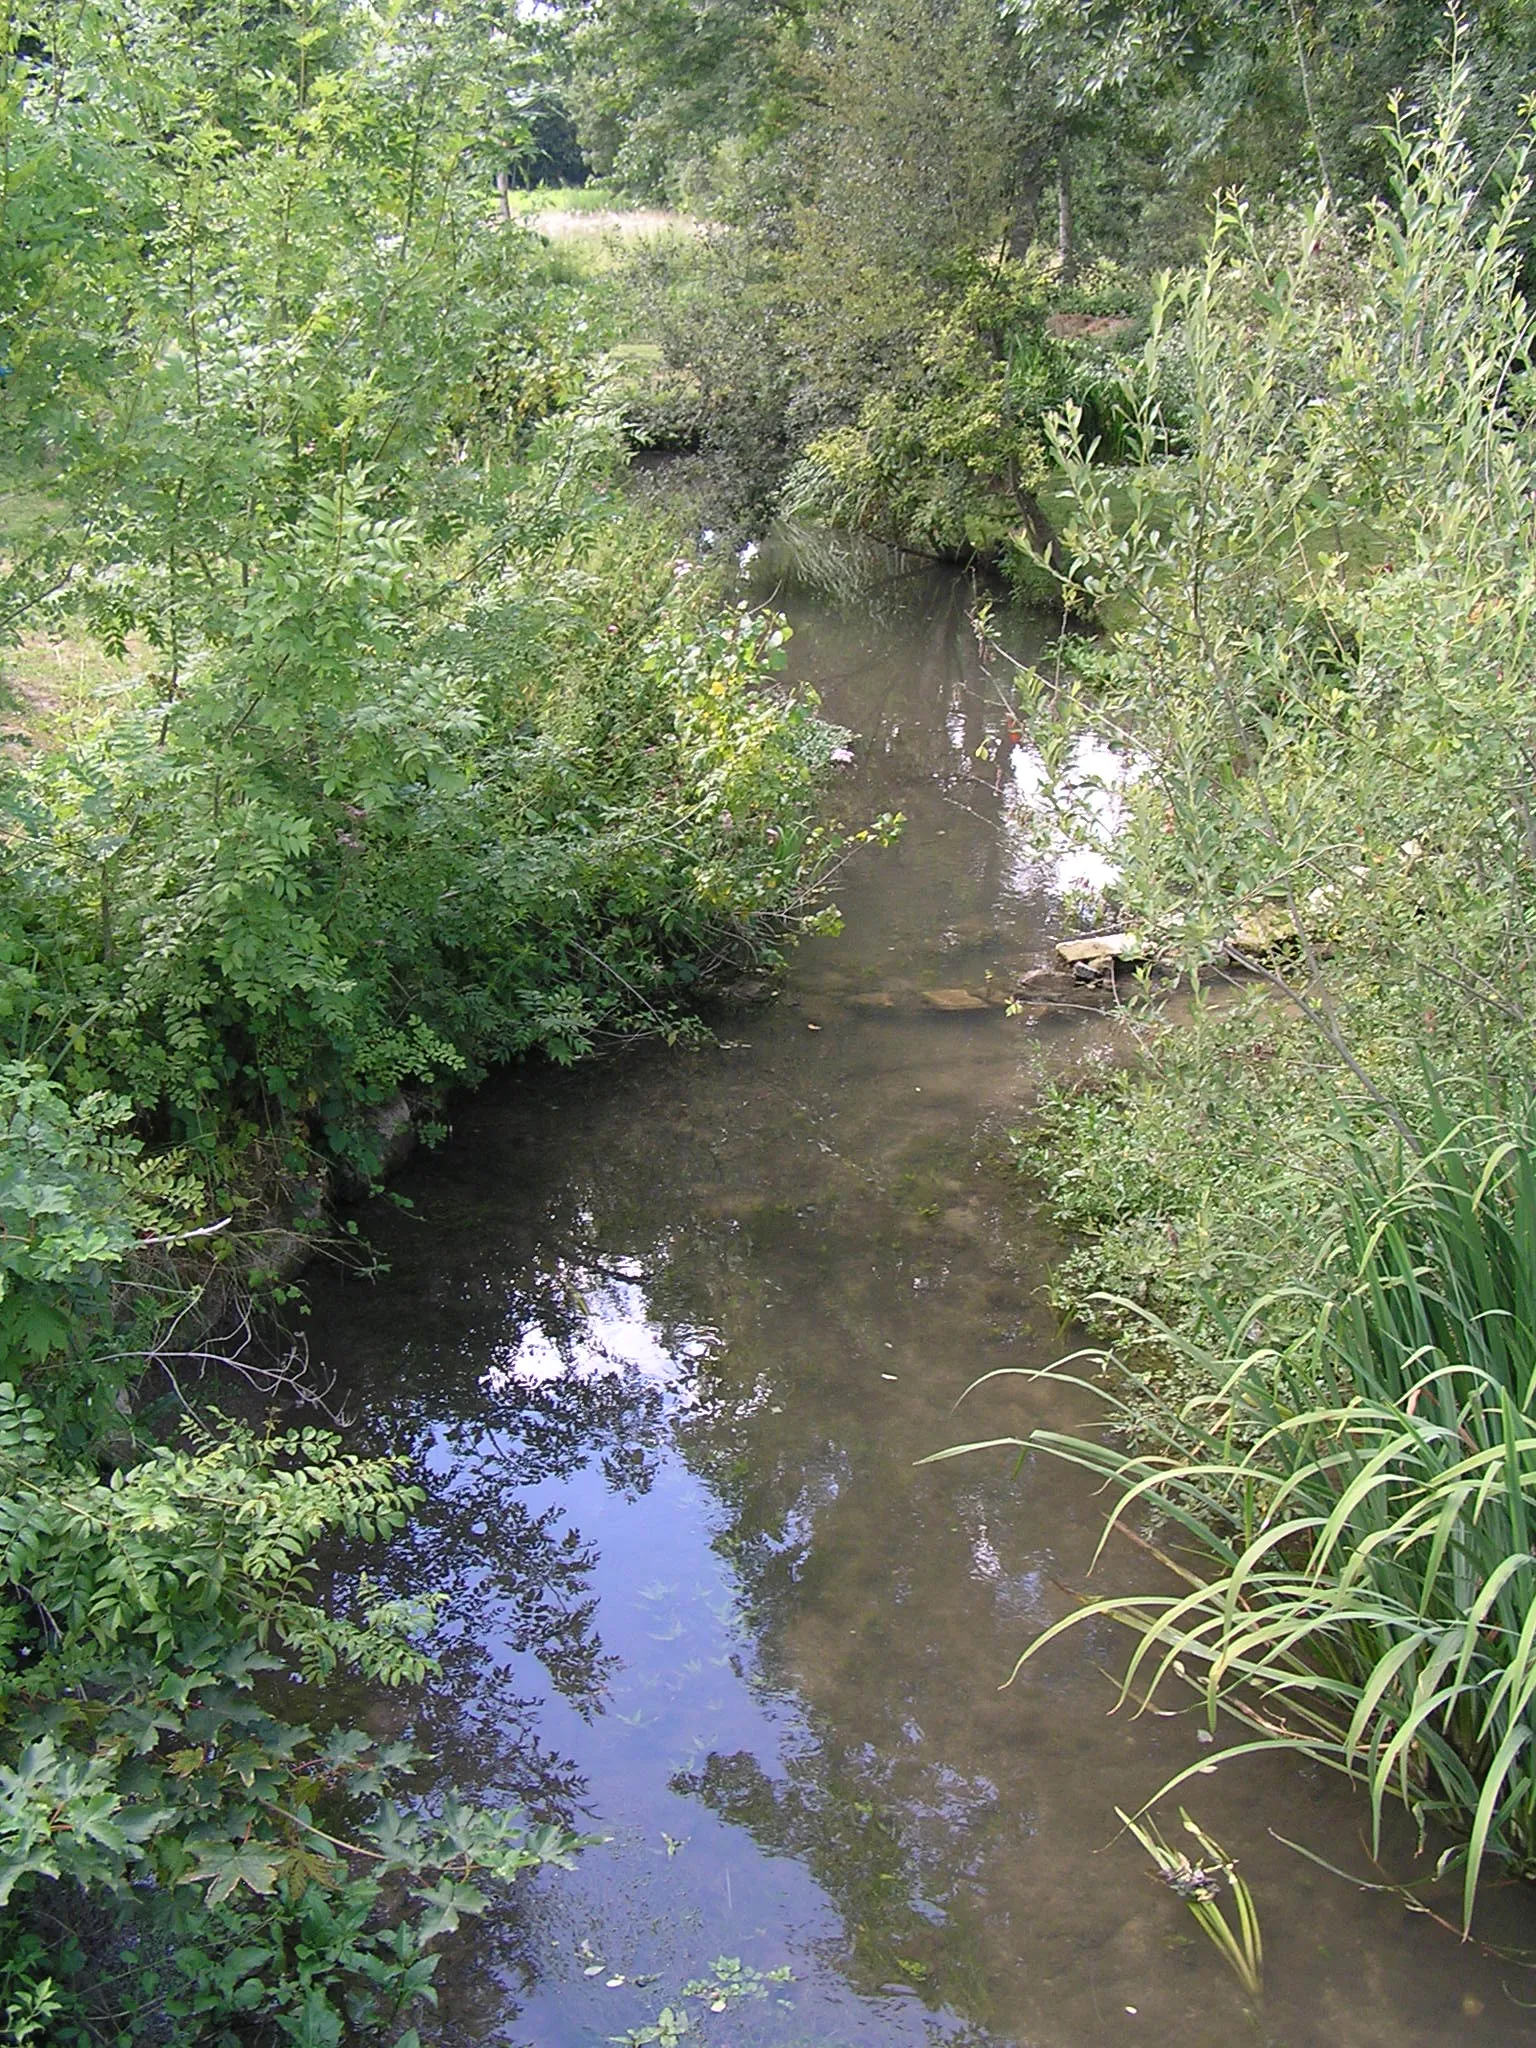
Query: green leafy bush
{"points": [[409, 851], [951, 456], [1319, 597], [233, 1865], [428, 754]]}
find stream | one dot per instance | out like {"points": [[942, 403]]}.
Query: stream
{"points": [[668, 1335]]}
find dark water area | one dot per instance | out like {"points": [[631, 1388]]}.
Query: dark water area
{"points": [[667, 1337]]}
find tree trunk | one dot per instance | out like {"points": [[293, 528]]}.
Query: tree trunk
{"points": [[1021, 229], [1041, 531], [1064, 249], [1042, 534], [503, 185]]}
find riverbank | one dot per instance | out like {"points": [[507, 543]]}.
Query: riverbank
{"points": [[565, 860], [1304, 1213]]}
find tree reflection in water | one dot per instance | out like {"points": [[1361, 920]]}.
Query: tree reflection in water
{"points": [[665, 1285]]}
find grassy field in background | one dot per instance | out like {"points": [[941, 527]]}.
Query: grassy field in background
{"points": [[591, 224]]}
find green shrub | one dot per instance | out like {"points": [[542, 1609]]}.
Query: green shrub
{"points": [[1319, 599], [951, 454], [427, 754], [194, 1861]]}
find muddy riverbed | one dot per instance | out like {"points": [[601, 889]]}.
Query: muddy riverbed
{"points": [[668, 1336]]}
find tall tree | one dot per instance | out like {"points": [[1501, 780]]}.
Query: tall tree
{"points": [[908, 162], [664, 90]]}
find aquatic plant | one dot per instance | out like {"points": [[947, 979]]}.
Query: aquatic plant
{"points": [[1361, 1499], [670, 2026], [1200, 1886], [730, 1983]]}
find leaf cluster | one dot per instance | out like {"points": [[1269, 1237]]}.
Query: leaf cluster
{"points": [[234, 1864]]}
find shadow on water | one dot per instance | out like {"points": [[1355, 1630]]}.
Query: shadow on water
{"points": [[666, 1337]]}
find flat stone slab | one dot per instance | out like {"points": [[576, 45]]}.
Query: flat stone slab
{"points": [[954, 999], [873, 999], [1101, 948]]}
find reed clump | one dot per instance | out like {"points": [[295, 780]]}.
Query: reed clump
{"points": [[1351, 1515]]}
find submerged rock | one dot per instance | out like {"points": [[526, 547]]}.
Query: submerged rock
{"points": [[954, 999]]}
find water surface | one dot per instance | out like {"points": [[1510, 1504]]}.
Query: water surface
{"points": [[668, 1336]]}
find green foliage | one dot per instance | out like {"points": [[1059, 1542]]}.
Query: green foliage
{"points": [[1200, 1886], [1361, 1498], [880, 168], [943, 457], [234, 1863], [904, 171], [75, 1195], [951, 455], [1320, 593], [730, 1983], [862, 160], [565, 765], [668, 94], [867, 324], [1194, 1174], [438, 757], [670, 2026], [727, 384]]}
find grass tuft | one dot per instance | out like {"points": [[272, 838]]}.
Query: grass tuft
{"points": [[1239, 1941]]}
